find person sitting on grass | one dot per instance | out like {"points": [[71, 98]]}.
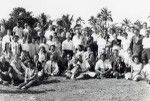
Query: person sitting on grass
{"points": [[136, 70], [118, 68], [51, 67], [103, 67], [39, 66], [5, 71], [31, 76], [72, 66], [18, 70], [81, 69], [146, 71]]}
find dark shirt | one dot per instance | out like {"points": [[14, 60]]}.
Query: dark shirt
{"points": [[39, 65], [116, 42], [5, 66]]}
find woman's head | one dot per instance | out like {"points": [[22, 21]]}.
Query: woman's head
{"points": [[135, 59]]}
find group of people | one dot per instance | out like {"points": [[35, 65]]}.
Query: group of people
{"points": [[31, 55]]}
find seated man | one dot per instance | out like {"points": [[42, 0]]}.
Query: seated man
{"points": [[118, 66], [5, 71], [51, 67], [18, 69], [81, 69], [103, 67]]}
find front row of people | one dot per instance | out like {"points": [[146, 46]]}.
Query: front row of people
{"points": [[25, 72]]}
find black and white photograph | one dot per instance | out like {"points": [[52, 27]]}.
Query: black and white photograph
{"points": [[74, 50]]}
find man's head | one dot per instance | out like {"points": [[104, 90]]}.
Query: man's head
{"points": [[147, 33], [15, 38], [116, 52], [145, 25], [136, 31], [103, 57]]}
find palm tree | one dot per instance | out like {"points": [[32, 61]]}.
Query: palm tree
{"points": [[138, 24], [105, 16], [65, 22], [80, 21], [126, 23], [92, 21], [44, 22]]}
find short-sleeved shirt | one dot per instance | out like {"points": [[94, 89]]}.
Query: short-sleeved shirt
{"points": [[103, 65]]}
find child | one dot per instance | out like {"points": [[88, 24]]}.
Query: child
{"points": [[30, 76]]}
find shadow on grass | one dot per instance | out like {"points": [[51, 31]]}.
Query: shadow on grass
{"points": [[50, 81], [24, 91]]}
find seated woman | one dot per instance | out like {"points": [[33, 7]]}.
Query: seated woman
{"points": [[103, 67], [5, 71], [51, 67], [136, 70], [30, 76]]}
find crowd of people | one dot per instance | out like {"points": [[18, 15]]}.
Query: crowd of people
{"points": [[29, 55]]}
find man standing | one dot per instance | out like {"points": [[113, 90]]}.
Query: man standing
{"points": [[18, 30], [146, 47]]}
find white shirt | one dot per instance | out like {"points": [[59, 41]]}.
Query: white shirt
{"points": [[101, 45], [146, 42], [146, 69], [68, 45], [6, 39], [18, 31], [143, 32], [95, 36], [48, 33], [77, 40], [49, 43], [102, 65], [125, 44]]}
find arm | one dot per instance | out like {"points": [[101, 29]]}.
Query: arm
{"points": [[16, 70]]}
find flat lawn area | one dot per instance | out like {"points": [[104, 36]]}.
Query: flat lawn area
{"points": [[59, 89]]}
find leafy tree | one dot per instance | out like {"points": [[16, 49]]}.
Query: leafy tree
{"points": [[22, 16], [126, 23], [65, 22], [104, 17], [44, 21]]}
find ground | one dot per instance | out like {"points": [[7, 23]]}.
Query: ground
{"points": [[60, 89]]}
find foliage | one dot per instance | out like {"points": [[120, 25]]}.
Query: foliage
{"points": [[22, 16], [65, 22], [44, 21]]}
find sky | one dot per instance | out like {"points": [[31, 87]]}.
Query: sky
{"points": [[131, 9]]}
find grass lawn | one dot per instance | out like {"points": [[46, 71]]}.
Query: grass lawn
{"points": [[59, 89]]}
